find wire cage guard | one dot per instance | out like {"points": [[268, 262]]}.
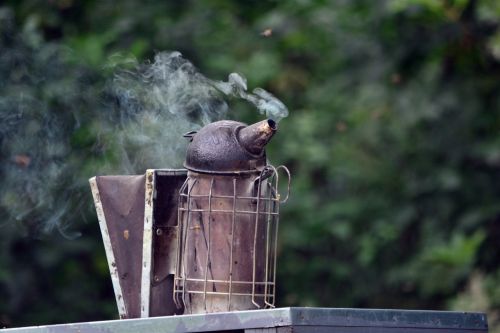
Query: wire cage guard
{"points": [[228, 229]]}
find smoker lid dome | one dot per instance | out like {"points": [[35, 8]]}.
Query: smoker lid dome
{"points": [[217, 148]]}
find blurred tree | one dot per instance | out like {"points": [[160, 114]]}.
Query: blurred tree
{"points": [[392, 140], [44, 109]]}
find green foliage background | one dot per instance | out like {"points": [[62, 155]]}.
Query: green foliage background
{"points": [[393, 142]]}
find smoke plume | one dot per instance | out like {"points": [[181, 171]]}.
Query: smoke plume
{"points": [[62, 123], [154, 105], [265, 102], [158, 102]]}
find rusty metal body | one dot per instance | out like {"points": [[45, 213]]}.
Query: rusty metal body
{"points": [[206, 235], [226, 147], [227, 243], [160, 242], [138, 220], [228, 220], [119, 202]]}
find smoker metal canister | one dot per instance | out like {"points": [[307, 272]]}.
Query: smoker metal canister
{"points": [[228, 216]]}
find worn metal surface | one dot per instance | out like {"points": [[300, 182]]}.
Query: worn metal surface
{"points": [[228, 239], [164, 212], [138, 217], [254, 137], [228, 220], [147, 244], [121, 199], [108, 248], [287, 320], [229, 146], [219, 256]]}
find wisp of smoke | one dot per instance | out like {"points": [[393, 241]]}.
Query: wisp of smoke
{"points": [[265, 102], [158, 102], [58, 126], [155, 104]]}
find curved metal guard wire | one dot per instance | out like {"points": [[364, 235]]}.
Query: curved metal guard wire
{"points": [[227, 244]]}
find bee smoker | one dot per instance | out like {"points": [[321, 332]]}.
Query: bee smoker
{"points": [[228, 220], [206, 235]]}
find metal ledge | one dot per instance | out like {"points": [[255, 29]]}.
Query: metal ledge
{"points": [[285, 320]]}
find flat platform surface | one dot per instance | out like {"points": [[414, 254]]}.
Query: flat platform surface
{"points": [[286, 320]]}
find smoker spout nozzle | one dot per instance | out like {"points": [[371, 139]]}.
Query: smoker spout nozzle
{"points": [[254, 137]]}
